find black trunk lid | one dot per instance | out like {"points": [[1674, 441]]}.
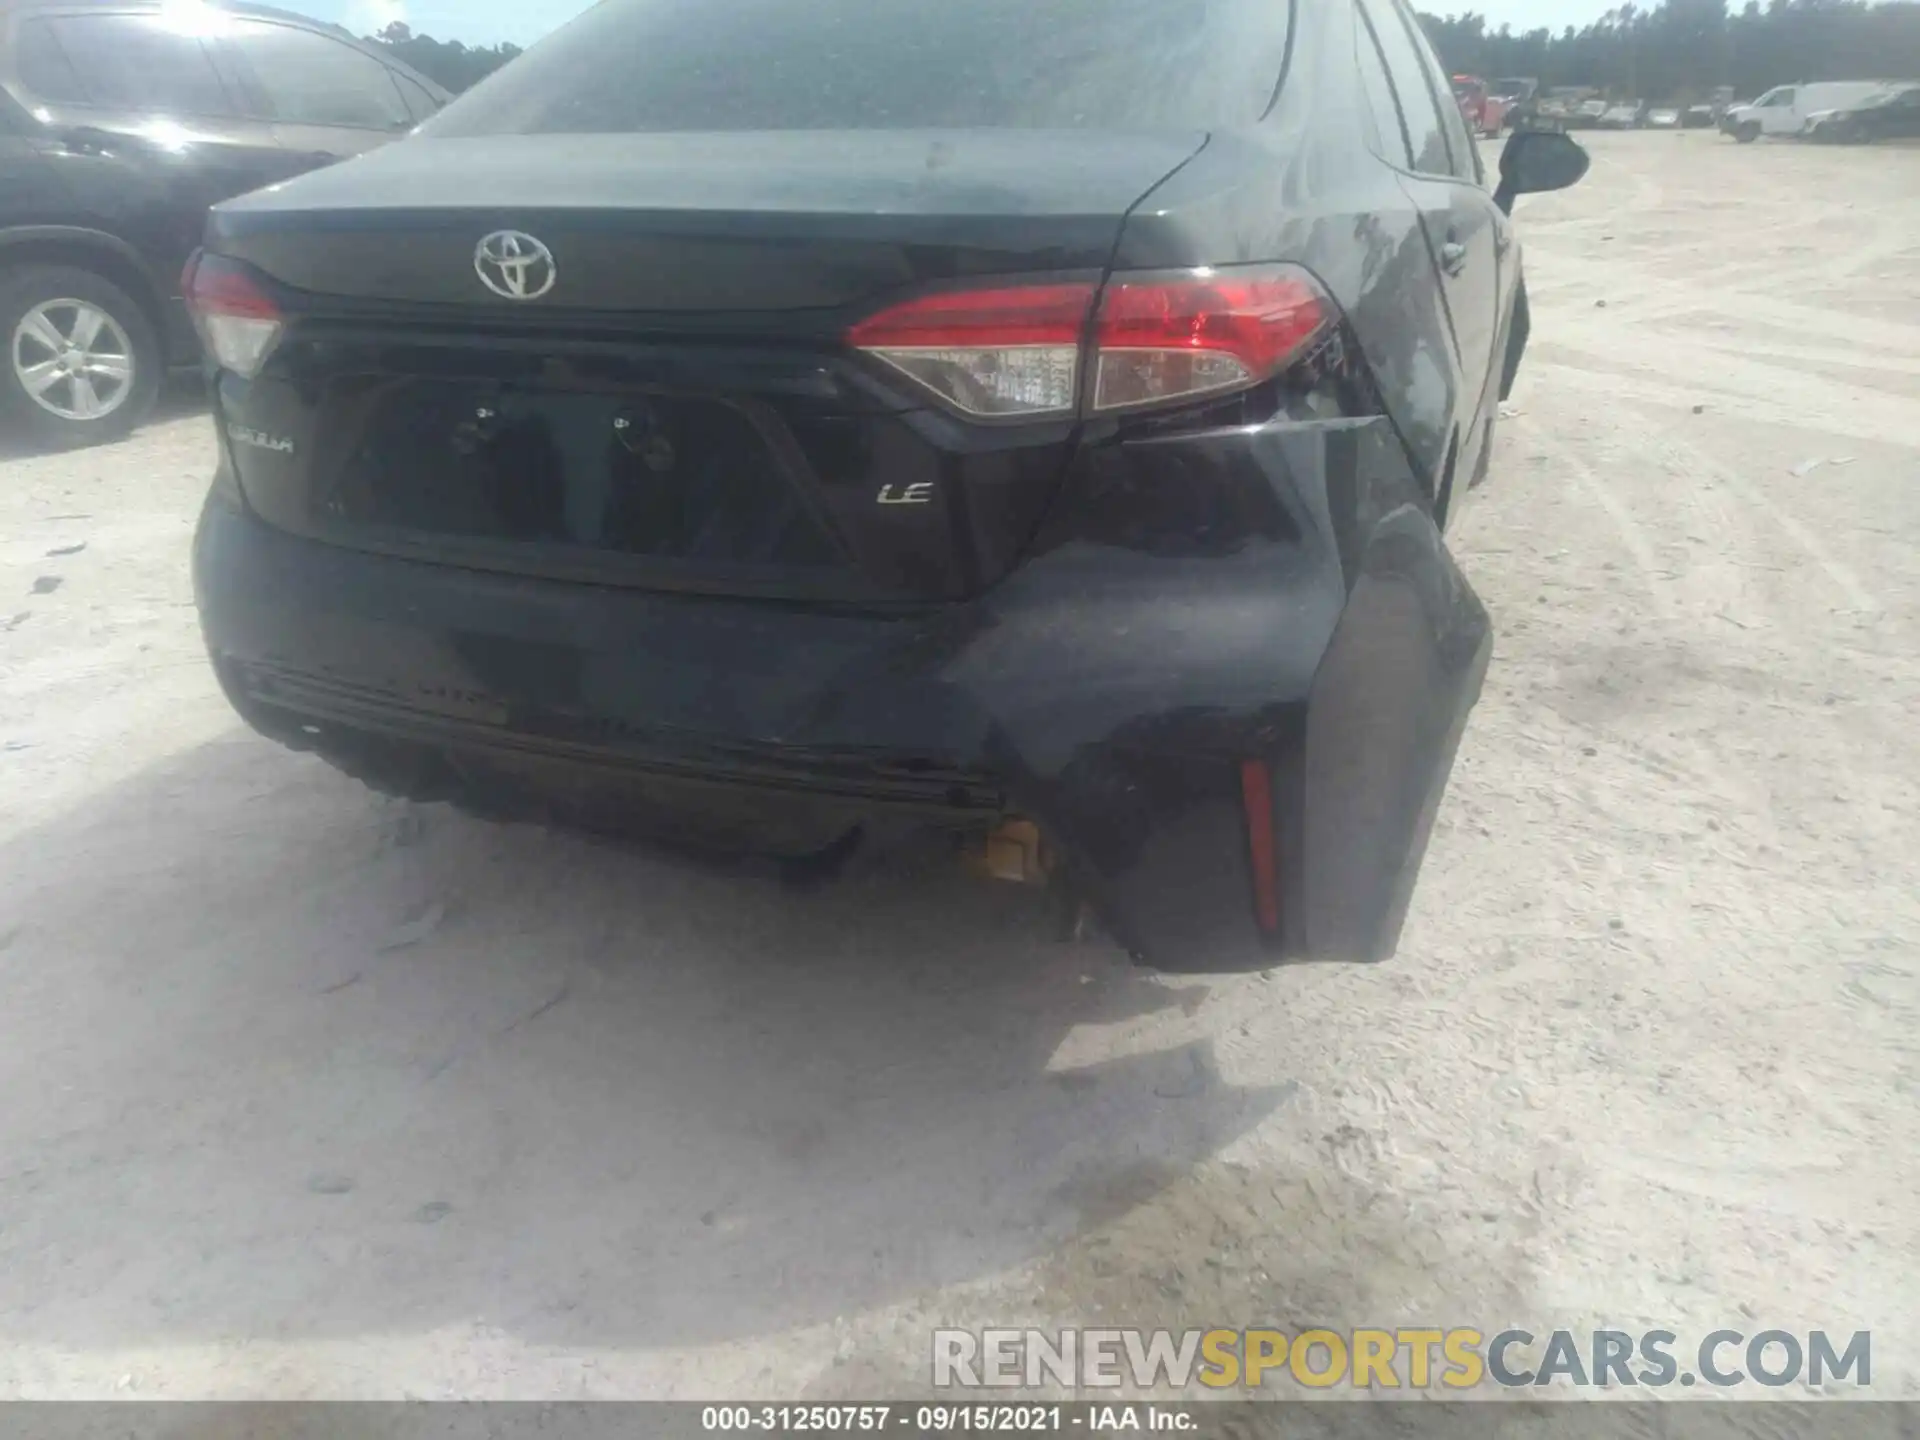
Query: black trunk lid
{"points": [[677, 408]]}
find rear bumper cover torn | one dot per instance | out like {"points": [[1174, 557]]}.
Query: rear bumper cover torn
{"points": [[1274, 594]]}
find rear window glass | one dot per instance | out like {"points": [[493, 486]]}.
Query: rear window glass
{"points": [[677, 65], [419, 101], [312, 79], [138, 62], [44, 66]]}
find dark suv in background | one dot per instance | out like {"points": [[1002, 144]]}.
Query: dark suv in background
{"points": [[120, 123]]}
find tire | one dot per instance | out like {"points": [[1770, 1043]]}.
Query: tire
{"points": [[1748, 133], [119, 373]]}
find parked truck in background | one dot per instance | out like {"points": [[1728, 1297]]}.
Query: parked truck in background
{"points": [[1484, 112]]}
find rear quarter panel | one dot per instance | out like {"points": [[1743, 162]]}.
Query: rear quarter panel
{"points": [[1303, 187]]}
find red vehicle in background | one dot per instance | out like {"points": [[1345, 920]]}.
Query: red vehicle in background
{"points": [[1485, 114]]}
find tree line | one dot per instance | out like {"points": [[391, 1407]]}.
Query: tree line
{"points": [[1678, 50], [456, 66], [1682, 50]]}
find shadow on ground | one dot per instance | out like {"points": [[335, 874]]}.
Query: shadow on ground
{"points": [[285, 1060], [182, 394]]}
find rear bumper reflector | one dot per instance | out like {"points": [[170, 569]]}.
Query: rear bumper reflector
{"points": [[1256, 789]]}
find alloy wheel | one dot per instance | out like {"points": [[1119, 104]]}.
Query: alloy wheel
{"points": [[73, 359]]}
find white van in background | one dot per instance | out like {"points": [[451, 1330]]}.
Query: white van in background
{"points": [[1787, 109]]}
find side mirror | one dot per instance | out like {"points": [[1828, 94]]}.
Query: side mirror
{"points": [[1535, 161]]}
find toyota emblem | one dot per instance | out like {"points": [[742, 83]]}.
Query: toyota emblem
{"points": [[514, 265]]}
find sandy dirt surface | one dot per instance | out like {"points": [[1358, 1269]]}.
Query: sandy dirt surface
{"points": [[305, 1093]]}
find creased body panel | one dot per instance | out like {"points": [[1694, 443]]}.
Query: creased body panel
{"points": [[1112, 687]]}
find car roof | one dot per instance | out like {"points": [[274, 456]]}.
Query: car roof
{"points": [[232, 7], [245, 8]]}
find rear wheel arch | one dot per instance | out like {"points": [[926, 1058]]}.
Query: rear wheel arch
{"points": [[96, 251]]}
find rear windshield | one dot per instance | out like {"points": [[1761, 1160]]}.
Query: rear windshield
{"points": [[674, 65]]}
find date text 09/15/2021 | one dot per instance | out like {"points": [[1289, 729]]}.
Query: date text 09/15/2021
{"points": [[946, 1418]]}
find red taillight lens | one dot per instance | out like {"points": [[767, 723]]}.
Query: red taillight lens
{"points": [[234, 313], [1015, 351], [1170, 339], [1005, 352]]}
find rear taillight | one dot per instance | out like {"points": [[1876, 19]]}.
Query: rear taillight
{"points": [[1198, 334], [1006, 352], [1015, 351], [234, 313]]}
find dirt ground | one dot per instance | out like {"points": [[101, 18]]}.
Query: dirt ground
{"points": [[303, 1093]]}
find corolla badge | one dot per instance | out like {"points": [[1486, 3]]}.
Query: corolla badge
{"points": [[260, 439], [514, 265]]}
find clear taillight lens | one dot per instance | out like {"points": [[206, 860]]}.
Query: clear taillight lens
{"points": [[1015, 351], [235, 316], [1172, 338], [1002, 353]]}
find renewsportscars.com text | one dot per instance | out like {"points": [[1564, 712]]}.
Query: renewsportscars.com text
{"points": [[1454, 1359]]}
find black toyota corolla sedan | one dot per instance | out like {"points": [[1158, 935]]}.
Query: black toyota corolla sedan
{"points": [[768, 426]]}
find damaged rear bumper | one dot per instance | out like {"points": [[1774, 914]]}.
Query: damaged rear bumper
{"points": [[1229, 684]]}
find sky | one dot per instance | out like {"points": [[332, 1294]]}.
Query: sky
{"points": [[486, 22]]}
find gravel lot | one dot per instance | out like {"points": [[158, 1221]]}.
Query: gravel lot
{"points": [[612, 1127]]}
